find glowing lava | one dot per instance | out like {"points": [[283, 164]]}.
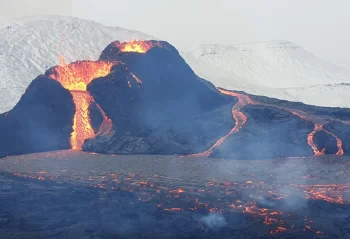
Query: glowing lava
{"points": [[339, 143], [75, 77], [310, 140], [241, 119], [137, 46]]}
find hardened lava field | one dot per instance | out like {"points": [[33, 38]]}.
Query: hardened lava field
{"points": [[69, 194]]}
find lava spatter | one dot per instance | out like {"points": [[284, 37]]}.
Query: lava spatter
{"points": [[75, 77], [137, 46]]}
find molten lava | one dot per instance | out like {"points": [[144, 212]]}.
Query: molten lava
{"points": [[241, 119], [81, 124], [310, 140], [137, 46], [75, 77], [339, 143]]}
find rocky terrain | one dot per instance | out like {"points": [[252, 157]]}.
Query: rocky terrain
{"points": [[41, 121], [69, 194], [142, 98]]}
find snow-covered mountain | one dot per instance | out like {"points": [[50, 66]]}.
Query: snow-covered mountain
{"points": [[31, 45], [279, 69]]}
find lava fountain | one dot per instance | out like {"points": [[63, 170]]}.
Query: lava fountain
{"points": [[75, 77], [137, 46]]}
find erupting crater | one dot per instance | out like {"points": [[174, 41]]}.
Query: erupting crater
{"points": [[137, 46], [75, 77]]}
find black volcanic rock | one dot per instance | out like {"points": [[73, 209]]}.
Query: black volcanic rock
{"points": [[41, 121], [332, 112], [342, 131], [158, 105], [171, 112], [95, 116], [325, 141], [268, 133]]}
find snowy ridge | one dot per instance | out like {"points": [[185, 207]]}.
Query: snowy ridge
{"points": [[31, 45], [277, 66], [279, 69], [231, 81]]}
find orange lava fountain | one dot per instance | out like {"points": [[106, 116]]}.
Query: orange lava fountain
{"points": [[137, 46], [75, 77]]}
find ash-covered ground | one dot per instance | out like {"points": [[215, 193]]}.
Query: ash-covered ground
{"points": [[68, 194]]}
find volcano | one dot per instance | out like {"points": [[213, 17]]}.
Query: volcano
{"points": [[41, 121], [141, 97]]}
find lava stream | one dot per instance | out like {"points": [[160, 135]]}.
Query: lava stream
{"points": [[241, 119], [339, 143], [75, 77], [106, 126], [310, 140], [82, 128]]}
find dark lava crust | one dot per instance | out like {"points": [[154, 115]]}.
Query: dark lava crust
{"points": [[268, 133], [41, 121], [158, 105]]}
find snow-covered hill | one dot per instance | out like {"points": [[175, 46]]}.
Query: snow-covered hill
{"points": [[31, 45], [280, 69]]}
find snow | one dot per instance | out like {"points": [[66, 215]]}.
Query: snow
{"points": [[31, 45], [279, 69]]}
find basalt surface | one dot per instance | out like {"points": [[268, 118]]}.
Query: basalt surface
{"points": [[71, 194], [268, 133], [141, 97], [41, 121], [158, 105]]}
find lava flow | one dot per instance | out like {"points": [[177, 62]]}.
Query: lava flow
{"points": [[75, 77], [318, 127], [275, 202], [136, 46], [241, 119]]}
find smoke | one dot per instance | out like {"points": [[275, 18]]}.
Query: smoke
{"points": [[287, 176], [214, 221]]}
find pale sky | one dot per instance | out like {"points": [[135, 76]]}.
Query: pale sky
{"points": [[319, 26]]}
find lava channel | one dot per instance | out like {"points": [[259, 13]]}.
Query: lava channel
{"points": [[75, 77], [241, 119]]}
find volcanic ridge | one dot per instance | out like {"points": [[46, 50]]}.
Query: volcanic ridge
{"points": [[141, 97]]}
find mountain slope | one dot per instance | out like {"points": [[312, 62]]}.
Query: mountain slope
{"points": [[31, 45], [274, 67], [279, 69]]}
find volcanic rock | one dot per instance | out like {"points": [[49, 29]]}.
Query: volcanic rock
{"points": [[268, 133], [333, 112], [95, 116], [325, 141], [41, 121], [342, 131], [158, 105]]}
